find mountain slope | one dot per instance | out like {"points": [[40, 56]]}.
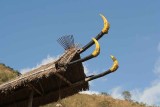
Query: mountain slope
{"points": [[7, 73], [84, 100]]}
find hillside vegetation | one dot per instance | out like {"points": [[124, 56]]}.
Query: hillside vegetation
{"points": [[7, 73], [84, 100], [78, 100]]}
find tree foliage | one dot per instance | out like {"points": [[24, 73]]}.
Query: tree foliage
{"points": [[126, 95]]}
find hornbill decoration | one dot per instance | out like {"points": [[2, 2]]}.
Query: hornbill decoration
{"points": [[104, 31], [56, 80], [68, 43], [65, 43]]}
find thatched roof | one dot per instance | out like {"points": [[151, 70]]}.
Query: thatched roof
{"points": [[48, 82]]}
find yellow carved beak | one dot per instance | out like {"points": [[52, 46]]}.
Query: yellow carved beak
{"points": [[97, 48], [106, 24], [115, 64]]}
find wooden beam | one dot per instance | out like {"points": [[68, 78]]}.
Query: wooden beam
{"points": [[41, 88], [63, 78], [35, 89]]}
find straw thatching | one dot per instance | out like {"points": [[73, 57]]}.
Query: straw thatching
{"points": [[48, 83]]}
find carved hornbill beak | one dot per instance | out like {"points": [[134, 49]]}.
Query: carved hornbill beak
{"points": [[103, 31], [112, 69], [94, 41], [92, 77], [106, 25], [94, 53], [115, 64], [67, 43]]}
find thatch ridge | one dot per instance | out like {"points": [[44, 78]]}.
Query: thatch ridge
{"points": [[36, 73]]}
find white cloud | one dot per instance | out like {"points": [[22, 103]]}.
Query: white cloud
{"points": [[88, 73], [157, 67], [48, 60], [136, 94], [90, 92], [151, 94], [157, 64], [43, 62], [116, 92], [86, 69], [25, 70]]}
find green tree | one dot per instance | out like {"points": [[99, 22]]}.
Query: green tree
{"points": [[126, 95]]}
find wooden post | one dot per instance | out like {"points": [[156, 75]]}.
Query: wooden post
{"points": [[30, 99]]}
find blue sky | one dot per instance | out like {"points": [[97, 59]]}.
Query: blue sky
{"points": [[29, 30]]}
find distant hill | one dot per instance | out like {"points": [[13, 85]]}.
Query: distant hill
{"points": [[85, 100], [7, 73]]}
